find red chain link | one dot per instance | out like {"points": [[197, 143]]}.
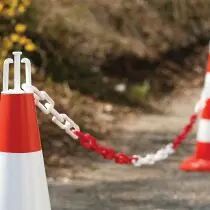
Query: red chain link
{"points": [[90, 143], [186, 130]]}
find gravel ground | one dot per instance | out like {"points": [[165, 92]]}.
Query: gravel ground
{"points": [[162, 187], [101, 185]]}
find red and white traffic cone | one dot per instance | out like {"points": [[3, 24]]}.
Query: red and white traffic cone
{"points": [[23, 184], [200, 161]]}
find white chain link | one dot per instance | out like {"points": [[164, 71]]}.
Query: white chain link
{"points": [[151, 159], [46, 105]]}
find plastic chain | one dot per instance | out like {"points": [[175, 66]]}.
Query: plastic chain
{"points": [[169, 149], [183, 135], [90, 143], [46, 104]]}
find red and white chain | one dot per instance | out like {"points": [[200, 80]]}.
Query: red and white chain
{"points": [[46, 104], [168, 150]]}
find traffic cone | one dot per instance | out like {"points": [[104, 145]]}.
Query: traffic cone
{"points": [[23, 184], [200, 161]]}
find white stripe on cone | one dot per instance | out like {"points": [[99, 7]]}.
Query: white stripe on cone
{"points": [[23, 182], [207, 78], [203, 134], [206, 90]]}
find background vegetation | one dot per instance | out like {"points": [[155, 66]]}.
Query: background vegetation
{"points": [[107, 48]]}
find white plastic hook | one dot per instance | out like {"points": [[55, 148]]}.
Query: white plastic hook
{"points": [[17, 63], [7, 63], [17, 74], [27, 63]]}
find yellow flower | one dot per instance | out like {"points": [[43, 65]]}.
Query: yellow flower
{"points": [[9, 12], [14, 37], [7, 43], [1, 7], [3, 53], [13, 3], [30, 47], [23, 40], [20, 28], [26, 2], [21, 8]]}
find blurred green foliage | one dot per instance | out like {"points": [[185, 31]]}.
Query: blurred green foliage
{"points": [[140, 92]]}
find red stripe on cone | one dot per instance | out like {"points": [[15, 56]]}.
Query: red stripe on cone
{"points": [[200, 161], [208, 64], [206, 112], [203, 150], [19, 131]]}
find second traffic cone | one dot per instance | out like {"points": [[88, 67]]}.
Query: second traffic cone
{"points": [[200, 161], [206, 89], [23, 184]]}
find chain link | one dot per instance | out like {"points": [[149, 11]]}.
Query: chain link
{"points": [[46, 104]]}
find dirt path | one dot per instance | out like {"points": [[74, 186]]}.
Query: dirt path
{"points": [[99, 185]]}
